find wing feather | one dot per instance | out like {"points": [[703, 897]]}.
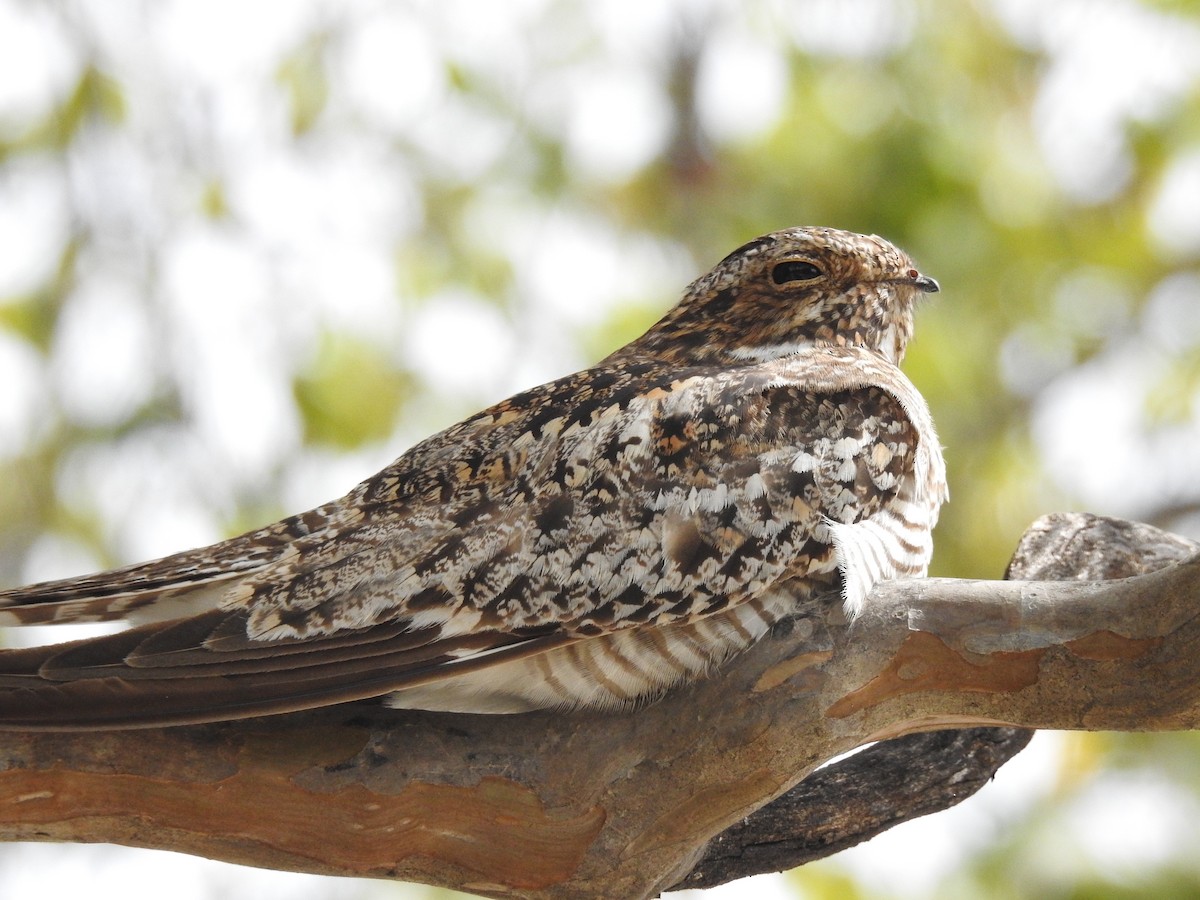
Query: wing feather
{"points": [[663, 496]]}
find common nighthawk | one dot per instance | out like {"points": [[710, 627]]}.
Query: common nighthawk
{"points": [[587, 543]]}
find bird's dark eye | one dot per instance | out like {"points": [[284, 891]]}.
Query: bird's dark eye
{"points": [[794, 270]]}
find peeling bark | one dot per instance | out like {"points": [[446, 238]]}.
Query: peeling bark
{"points": [[857, 798], [627, 805]]}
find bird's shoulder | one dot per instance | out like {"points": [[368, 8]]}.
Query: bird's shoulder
{"points": [[605, 411]]}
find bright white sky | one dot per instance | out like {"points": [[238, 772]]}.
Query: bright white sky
{"points": [[319, 224]]}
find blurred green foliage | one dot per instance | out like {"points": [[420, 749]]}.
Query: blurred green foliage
{"points": [[350, 394]]}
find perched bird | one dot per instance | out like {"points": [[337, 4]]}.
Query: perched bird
{"points": [[587, 543]]}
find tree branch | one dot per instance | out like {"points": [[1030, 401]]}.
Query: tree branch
{"points": [[857, 798], [604, 805], [894, 781]]}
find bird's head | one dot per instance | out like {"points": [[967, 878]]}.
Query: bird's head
{"points": [[790, 289]]}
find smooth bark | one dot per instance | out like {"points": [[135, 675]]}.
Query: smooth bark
{"points": [[629, 804]]}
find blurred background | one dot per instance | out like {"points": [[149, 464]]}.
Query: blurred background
{"points": [[251, 251]]}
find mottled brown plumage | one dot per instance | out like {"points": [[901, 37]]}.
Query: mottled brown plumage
{"points": [[589, 542]]}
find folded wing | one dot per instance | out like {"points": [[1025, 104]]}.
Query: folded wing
{"points": [[657, 506]]}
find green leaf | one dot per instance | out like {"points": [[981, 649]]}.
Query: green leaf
{"points": [[302, 75], [214, 203], [351, 394], [34, 316], [95, 96]]}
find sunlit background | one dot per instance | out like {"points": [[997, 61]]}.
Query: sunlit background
{"points": [[250, 251]]}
